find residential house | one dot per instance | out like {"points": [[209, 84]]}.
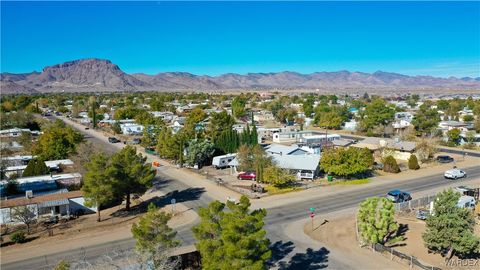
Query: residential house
{"points": [[465, 139], [397, 148], [53, 165], [131, 129], [167, 117], [60, 204], [16, 132], [302, 136], [16, 160], [445, 126], [43, 182]]}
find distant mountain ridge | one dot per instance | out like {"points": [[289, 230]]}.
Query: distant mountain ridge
{"points": [[87, 75]]}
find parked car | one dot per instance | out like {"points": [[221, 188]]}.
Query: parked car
{"points": [[455, 174], [398, 196], [444, 159], [422, 214], [247, 176], [113, 140]]}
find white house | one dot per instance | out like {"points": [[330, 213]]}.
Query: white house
{"points": [[131, 129], [59, 204], [166, 116], [449, 125], [303, 137], [16, 132]]}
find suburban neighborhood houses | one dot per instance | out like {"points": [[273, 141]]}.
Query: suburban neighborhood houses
{"points": [[227, 146]]}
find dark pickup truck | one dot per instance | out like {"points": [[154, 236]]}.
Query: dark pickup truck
{"points": [[113, 140]]}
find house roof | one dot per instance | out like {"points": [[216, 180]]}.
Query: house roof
{"points": [[374, 143], [295, 162], [279, 148], [45, 178], [42, 200]]}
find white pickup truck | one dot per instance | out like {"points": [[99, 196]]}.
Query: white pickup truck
{"points": [[455, 174]]}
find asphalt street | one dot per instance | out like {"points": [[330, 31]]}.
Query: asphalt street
{"points": [[277, 218]]}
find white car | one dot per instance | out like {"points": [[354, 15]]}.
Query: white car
{"points": [[455, 174]]}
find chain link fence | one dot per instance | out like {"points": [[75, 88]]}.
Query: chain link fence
{"points": [[414, 204]]}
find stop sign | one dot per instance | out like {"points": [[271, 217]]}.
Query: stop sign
{"points": [[312, 215]]}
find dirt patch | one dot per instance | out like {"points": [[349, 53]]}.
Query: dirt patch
{"points": [[339, 233], [413, 243]]}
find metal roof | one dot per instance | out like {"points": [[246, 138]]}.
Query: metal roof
{"points": [[53, 203]]}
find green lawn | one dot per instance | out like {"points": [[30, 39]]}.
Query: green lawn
{"points": [[274, 190], [351, 182]]}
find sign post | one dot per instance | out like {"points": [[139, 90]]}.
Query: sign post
{"points": [[312, 215]]}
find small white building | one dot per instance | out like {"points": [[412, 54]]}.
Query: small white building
{"points": [[131, 129]]}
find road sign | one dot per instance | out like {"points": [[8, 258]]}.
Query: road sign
{"points": [[312, 215], [312, 209]]}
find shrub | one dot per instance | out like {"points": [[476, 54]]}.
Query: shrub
{"points": [[413, 163], [390, 165], [62, 265], [19, 237]]}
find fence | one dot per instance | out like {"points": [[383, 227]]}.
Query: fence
{"points": [[412, 261], [413, 204]]}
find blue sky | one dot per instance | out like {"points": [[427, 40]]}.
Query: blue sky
{"points": [[415, 38]]}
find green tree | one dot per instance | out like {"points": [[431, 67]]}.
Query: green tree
{"points": [[200, 151], [390, 165], [426, 119], [278, 177], [238, 106], [376, 113], [57, 142], [116, 128], [468, 118], [346, 162], [36, 167], [376, 221], [194, 117], [454, 136], [152, 230], [219, 122], [286, 115], [233, 239], [450, 229], [413, 163], [130, 173], [97, 186]]}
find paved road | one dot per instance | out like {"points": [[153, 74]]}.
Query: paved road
{"points": [[277, 219]]}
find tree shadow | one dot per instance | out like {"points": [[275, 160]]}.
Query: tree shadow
{"points": [[279, 250], [309, 260], [401, 231], [189, 194], [159, 184]]}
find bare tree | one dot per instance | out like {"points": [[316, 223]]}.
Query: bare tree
{"points": [[25, 215], [82, 156]]}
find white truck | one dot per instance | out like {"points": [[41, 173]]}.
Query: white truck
{"points": [[466, 202], [455, 174]]}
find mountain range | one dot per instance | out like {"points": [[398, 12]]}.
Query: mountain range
{"points": [[95, 75]]}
